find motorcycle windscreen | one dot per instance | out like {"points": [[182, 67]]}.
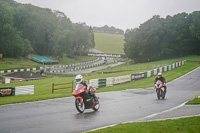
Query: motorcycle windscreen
{"points": [[158, 82], [79, 86]]}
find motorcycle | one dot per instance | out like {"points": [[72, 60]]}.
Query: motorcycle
{"points": [[160, 89], [83, 100]]}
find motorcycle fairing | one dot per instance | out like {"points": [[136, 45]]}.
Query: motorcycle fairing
{"points": [[78, 91], [81, 99]]}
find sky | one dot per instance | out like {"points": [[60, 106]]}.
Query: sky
{"points": [[123, 14]]}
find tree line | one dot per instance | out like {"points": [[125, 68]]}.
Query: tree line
{"points": [[164, 38], [26, 29], [107, 29]]}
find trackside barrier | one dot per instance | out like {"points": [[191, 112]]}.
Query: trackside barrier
{"points": [[20, 70], [71, 67], [109, 81], [7, 91], [155, 72], [94, 83], [121, 79], [39, 68], [169, 67], [19, 90], [62, 86], [173, 66], [165, 68], [22, 90], [148, 74], [137, 76], [98, 83], [160, 70], [177, 64], [102, 82]]}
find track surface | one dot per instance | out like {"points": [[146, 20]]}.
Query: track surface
{"points": [[60, 115]]}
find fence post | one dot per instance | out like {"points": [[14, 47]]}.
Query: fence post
{"points": [[72, 85], [52, 87]]}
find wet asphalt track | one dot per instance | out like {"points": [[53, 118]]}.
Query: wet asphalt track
{"points": [[61, 116]]}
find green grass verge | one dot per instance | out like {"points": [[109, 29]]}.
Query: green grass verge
{"points": [[109, 43], [194, 101], [183, 125], [43, 87], [77, 59], [16, 63]]}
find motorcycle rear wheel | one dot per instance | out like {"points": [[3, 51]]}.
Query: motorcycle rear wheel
{"points": [[80, 106]]}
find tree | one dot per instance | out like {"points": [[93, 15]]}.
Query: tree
{"points": [[84, 38], [11, 42], [159, 38], [194, 29]]}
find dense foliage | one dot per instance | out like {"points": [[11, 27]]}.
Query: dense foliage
{"points": [[107, 29], [26, 29], [159, 38]]}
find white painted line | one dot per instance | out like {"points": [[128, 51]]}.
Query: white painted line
{"points": [[150, 116], [102, 127], [172, 118]]}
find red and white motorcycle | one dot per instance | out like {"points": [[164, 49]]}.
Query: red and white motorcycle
{"points": [[160, 89], [83, 100]]}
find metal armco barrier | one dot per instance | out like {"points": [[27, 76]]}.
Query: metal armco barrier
{"points": [[7, 91], [62, 86], [137, 76], [20, 70]]}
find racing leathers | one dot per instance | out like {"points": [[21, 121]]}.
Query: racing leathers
{"points": [[89, 89], [162, 79]]}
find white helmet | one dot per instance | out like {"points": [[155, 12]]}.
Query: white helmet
{"points": [[79, 79], [159, 75]]}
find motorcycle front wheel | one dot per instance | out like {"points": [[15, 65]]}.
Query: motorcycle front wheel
{"points": [[96, 107], [158, 93], [80, 106]]}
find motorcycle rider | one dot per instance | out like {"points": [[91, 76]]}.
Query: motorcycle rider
{"points": [[161, 79], [79, 80]]}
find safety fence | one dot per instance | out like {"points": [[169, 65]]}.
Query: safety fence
{"points": [[103, 82], [20, 70], [19, 90], [73, 67], [62, 86]]}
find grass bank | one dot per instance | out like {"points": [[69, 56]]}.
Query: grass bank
{"points": [[183, 125], [18, 63], [109, 43], [194, 101]]}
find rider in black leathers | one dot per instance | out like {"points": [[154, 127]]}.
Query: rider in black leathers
{"points": [[161, 79]]}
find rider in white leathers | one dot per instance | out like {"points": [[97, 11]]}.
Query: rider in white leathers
{"points": [[79, 80]]}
